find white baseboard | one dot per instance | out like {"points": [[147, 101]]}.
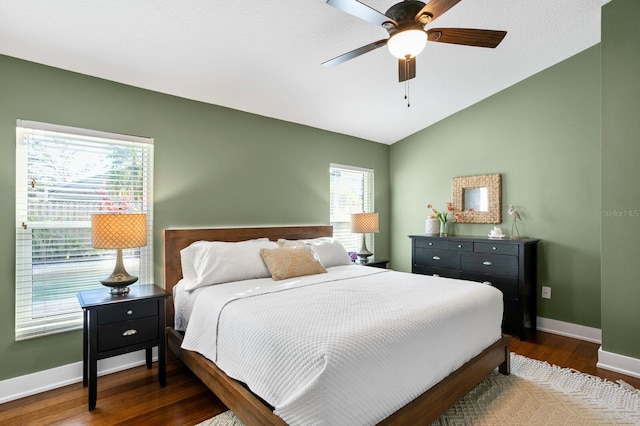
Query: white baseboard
{"points": [[619, 363], [568, 329], [608, 360], [41, 381]]}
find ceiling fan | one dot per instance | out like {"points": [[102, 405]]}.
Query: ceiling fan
{"points": [[405, 22]]}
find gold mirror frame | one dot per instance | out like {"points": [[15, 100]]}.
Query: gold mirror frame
{"points": [[493, 183]]}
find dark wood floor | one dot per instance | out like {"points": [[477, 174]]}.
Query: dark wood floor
{"points": [[133, 397]]}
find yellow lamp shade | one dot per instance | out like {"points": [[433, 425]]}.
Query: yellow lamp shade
{"points": [[364, 223], [118, 231]]}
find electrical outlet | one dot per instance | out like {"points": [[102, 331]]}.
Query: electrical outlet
{"points": [[546, 292]]}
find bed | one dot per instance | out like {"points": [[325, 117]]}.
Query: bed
{"points": [[250, 408]]}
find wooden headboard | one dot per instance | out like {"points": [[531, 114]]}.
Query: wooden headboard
{"points": [[174, 240]]}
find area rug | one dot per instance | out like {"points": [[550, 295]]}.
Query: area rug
{"points": [[536, 393]]}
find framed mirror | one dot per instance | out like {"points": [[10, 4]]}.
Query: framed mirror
{"points": [[477, 198]]}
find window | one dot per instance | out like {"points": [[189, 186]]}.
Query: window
{"points": [[351, 191], [63, 175]]}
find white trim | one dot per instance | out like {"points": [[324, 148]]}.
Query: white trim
{"points": [[567, 329], [354, 168], [47, 127], [619, 363], [41, 381], [608, 360]]}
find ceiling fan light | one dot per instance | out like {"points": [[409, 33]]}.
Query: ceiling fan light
{"points": [[407, 43]]}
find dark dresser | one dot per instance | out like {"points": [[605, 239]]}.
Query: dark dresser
{"points": [[509, 265]]}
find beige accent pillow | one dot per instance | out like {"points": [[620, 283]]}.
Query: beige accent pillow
{"points": [[289, 262]]}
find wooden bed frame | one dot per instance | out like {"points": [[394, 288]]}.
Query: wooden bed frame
{"points": [[249, 408]]}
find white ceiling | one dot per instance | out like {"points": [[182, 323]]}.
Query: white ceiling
{"points": [[264, 57]]}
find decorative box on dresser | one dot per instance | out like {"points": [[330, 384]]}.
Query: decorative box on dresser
{"points": [[509, 265]]}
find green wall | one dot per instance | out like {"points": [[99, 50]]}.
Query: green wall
{"points": [[543, 136], [213, 167], [621, 177], [220, 167]]}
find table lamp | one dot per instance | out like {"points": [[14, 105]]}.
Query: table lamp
{"points": [[119, 231], [364, 223]]}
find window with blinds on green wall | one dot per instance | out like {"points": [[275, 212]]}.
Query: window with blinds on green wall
{"points": [[63, 175], [351, 191]]}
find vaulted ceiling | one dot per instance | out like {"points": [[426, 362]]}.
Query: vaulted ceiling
{"points": [[264, 57]]}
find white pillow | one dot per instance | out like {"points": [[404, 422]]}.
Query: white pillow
{"points": [[329, 250], [215, 262]]}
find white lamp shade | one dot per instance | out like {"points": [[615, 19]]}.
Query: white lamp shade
{"points": [[364, 223], [407, 43], [118, 231]]}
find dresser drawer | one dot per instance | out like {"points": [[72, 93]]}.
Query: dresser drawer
{"points": [[127, 311], [507, 285], [431, 243], [485, 247], [461, 245], [490, 264], [437, 258], [127, 333], [438, 272]]}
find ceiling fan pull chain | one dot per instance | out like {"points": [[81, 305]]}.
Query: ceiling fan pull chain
{"points": [[406, 82]]}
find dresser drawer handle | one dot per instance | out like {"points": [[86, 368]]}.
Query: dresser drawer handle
{"points": [[494, 248], [488, 283], [130, 332], [459, 245], [129, 312], [436, 257], [430, 244], [487, 263]]}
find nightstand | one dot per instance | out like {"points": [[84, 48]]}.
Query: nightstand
{"points": [[372, 261], [118, 324]]}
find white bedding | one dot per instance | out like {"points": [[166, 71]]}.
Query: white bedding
{"points": [[348, 347]]}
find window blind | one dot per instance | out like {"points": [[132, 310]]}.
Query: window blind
{"points": [[351, 191], [63, 175]]}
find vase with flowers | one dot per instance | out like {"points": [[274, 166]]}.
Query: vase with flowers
{"points": [[446, 218]]}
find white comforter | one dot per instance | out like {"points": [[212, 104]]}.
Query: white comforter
{"points": [[348, 347]]}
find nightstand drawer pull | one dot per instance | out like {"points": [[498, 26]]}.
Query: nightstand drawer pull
{"points": [[487, 263], [494, 248], [436, 257], [130, 332], [129, 312]]}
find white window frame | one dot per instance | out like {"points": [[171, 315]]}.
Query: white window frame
{"points": [[59, 310], [340, 210]]}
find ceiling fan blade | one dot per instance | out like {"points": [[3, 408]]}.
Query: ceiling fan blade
{"points": [[433, 9], [354, 53], [466, 36], [361, 10], [406, 69]]}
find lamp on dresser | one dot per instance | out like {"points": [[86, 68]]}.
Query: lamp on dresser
{"points": [[119, 231], [364, 223]]}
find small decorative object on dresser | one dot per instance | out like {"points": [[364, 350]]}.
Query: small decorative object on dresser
{"points": [[516, 216], [496, 233], [432, 226], [445, 217], [508, 265], [119, 324]]}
